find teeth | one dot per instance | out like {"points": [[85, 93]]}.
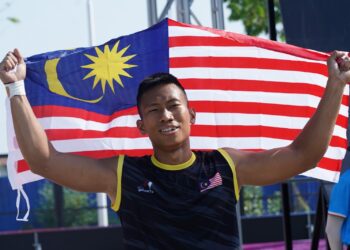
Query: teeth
{"points": [[168, 129]]}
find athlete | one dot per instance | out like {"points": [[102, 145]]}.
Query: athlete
{"points": [[176, 198]]}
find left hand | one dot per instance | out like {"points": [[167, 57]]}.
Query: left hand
{"points": [[339, 67]]}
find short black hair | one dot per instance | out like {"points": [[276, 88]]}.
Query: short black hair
{"points": [[153, 81]]}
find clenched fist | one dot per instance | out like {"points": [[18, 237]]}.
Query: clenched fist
{"points": [[12, 67], [339, 67]]}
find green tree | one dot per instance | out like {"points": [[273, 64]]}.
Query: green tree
{"points": [[274, 205], [77, 208], [253, 204], [254, 16]]}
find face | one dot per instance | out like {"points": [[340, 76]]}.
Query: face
{"points": [[166, 118]]}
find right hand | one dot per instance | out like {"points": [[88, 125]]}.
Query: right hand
{"points": [[12, 67]]}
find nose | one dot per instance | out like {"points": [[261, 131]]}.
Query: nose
{"points": [[166, 116]]}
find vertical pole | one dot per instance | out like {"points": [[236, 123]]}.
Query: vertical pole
{"points": [[284, 186], [217, 14], [239, 222], [183, 11], [36, 245], [320, 218], [102, 212], [325, 214], [152, 12], [318, 221], [91, 23], [272, 20], [166, 9], [58, 195], [286, 217]]}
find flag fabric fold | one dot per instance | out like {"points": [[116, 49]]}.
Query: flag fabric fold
{"points": [[249, 93]]}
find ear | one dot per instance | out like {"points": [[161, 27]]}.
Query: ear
{"points": [[140, 126], [192, 115]]}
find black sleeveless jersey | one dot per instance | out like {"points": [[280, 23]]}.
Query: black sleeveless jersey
{"points": [[185, 206]]}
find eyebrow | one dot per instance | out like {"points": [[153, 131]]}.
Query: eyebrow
{"points": [[151, 105], [169, 101], [173, 100]]}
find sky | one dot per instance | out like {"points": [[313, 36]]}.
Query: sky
{"points": [[48, 25]]}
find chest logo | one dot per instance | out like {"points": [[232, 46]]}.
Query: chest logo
{"points": [[213, 182], [146, 187]]}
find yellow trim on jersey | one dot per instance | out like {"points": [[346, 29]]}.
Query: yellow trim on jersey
{"points": [[173, 167], [233, 169], [118, 197]]}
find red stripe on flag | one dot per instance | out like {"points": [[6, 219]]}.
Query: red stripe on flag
{"points": [[252, 108], [61, 111], [22, 166], [202, 41], [118, 132], [248, 63], [330, 164], [257, 42]]}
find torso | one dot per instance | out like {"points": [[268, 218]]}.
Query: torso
{"points": [[187, 208]]}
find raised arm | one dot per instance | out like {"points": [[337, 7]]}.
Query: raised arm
{"points": [[76, 172], [307, 149]]}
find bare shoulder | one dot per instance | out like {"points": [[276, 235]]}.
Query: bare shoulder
{"points": [[236, 155], [111, 163], [252, 167]]}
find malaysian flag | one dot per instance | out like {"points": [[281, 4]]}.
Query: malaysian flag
{"points": [[213, 182], [249, 93]]}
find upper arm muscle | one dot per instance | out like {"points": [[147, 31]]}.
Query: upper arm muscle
{"points": [[265, 167], [82, 173]]}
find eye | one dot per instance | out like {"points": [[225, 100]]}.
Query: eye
{"points": [[152, 110], [174, 105]]}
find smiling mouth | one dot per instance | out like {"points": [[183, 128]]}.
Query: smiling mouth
{"points": [[168, 131]]}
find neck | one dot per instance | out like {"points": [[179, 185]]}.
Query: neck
{"points": [[173, 156]]}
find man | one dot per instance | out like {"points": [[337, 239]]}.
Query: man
{"points": [[175, 199], [338, 220]]}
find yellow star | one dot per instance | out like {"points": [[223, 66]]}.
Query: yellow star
{"points": [[109, 65]]}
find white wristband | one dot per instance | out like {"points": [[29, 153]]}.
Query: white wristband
{"points": [[16, 88]]}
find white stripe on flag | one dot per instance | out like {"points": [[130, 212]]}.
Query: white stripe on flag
{"points": [[234, 51], [323, 174], [250, 74], [260, 97], [79, 123], [175, 31]]}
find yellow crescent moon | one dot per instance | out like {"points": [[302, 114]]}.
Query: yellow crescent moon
{"points": [[56, 86]]}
